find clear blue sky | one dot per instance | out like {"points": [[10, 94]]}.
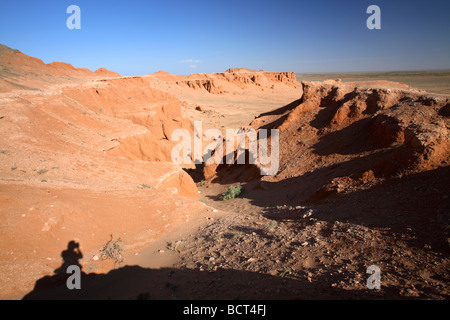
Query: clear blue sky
{"points": [[136, 37]]}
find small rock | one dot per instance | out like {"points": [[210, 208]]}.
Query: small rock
{"points": [[308, 214], [273, 272], [161, 251], [95, 258]]}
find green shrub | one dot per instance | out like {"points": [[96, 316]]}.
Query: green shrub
{"points": [[281, 275], [232, 192]]}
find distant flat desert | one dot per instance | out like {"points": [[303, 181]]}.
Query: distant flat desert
{"points": [[433, 81]]}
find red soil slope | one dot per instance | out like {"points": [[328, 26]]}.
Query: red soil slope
{"points": [[19, 71]]}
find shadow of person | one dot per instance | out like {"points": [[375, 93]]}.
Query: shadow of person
{"points": [[70, 257]]}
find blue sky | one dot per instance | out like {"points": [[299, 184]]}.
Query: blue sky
{"points": [[137, 37]]}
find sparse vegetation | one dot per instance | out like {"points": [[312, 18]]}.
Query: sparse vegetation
{"points": [[14, 167], [238, 235], [42, 171], [91, 267], [203, 201], [145, 186], [43, 180], [232, 192], [398, 175], [281, 275], [211, 267], [173, 245], [270, 226], [113, 249], [218, 237], [4, 151]]}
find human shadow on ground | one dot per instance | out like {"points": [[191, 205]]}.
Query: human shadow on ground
{"points": [[70, 257], [137, 283]]}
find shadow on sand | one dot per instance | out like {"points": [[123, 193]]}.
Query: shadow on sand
{"points": [[136, 283]]}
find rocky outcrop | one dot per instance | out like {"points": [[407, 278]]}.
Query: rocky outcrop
{"points": [[208, 85], [237, 79], [365, 131]]}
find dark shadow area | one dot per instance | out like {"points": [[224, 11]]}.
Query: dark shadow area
{"points": [[372, 101], [297, 190], [283, 114], [328, 108], [227, 173], [70, 256], [282, 110], [353, 139], [445, 110], [136, 283], [196, 174]]}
